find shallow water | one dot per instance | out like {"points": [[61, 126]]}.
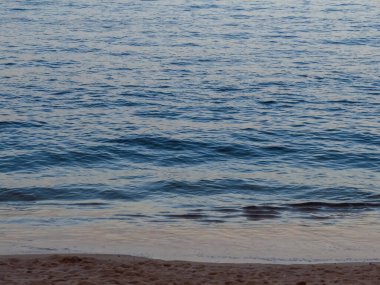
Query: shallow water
{"points": [[190, 115]]}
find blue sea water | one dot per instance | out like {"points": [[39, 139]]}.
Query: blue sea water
{"points": [[192, 114]]}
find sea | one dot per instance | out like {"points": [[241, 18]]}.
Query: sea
{"points": [[209, 130]]}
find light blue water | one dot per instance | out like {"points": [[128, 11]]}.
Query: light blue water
{"points": [[189, 112]]}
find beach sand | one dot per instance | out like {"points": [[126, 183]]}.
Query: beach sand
{"points": [[122, 269]]}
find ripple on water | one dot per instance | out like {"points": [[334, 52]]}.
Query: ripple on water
{"points": [[248, 111]]}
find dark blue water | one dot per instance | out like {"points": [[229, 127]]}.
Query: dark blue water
{"points": [[231, 112]]}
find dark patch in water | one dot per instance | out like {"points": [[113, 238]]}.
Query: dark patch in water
{"points": [[188, 216], [268, 102], [330, 206], [90, 204], [132, 215], [226, 210], [256, 213], [216, 221]]}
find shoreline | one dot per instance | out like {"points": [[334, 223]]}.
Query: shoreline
{"points": [[90, 269], [271, 243]]}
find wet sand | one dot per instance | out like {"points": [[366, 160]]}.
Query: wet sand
{"points": [[123, 269]]}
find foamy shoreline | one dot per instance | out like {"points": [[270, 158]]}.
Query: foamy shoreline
{"points": [[90, 269]]}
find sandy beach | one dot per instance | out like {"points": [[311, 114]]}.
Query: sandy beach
{"points": [[123, 269]]}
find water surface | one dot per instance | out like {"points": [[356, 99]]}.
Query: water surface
{"points": [[186, 116]]}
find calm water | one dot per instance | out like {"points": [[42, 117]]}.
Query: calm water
{"points": [[238, 116]]}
